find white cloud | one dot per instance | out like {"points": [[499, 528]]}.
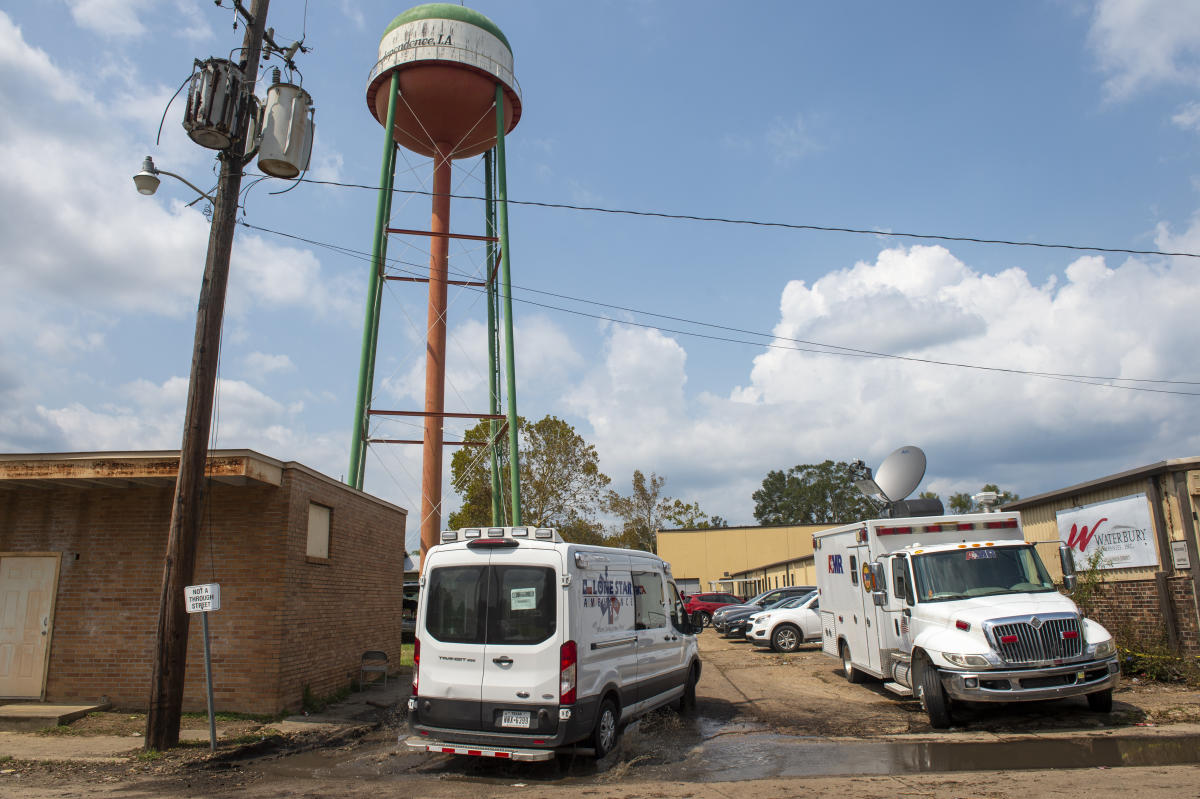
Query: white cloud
{"points": [[789, 140], [1188, 117], [118, 18], [1142, 43], [1027, 433], [261, 363]]}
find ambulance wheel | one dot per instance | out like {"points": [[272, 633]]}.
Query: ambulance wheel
{"points": [[852, 674], [604, 737], [1100, 702], [785, 638], [701, 619], [933, 697]]}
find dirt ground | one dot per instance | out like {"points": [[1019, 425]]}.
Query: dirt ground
{"points": [[805, 694], [746, 697]]}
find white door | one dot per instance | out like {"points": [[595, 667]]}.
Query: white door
{"points": [[27, 588], [521, 659], [658, 650]]}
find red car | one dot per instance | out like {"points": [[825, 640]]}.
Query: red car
{"points": [[700, 607]]}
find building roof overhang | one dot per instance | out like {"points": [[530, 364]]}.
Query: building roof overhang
{"points": [[238, 467], [1140, 473]]}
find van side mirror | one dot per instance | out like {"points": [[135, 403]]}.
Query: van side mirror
{"points": [[878, 579], [879, 598]]}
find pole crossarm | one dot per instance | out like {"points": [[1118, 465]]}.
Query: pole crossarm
{"points": [[422, 441], [440, 235], [402, 279], [438, 414]]}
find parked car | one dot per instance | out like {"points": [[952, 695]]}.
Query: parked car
{"points": [[791, 623], [700, 607], [723, 620]]}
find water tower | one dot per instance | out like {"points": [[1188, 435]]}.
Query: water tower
{"points": [[443, 87]]}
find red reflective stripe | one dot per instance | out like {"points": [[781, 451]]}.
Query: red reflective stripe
{"points": [[893, 530], [966, 526], [474, 752], [933, 528], [1000, 525], [502, 754], [448, 750]]}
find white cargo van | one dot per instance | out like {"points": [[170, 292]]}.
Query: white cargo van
{"points": [[526, 644], [957, 608]]}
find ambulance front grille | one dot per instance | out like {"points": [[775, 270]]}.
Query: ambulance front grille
{"points": [[1037, 639]]}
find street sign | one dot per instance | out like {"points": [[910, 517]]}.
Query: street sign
{"points": [[202, 598]]}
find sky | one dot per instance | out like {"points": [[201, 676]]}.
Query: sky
{"points": [[709, 353]]}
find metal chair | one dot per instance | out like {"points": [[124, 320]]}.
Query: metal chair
{"points": [[373, 660]]}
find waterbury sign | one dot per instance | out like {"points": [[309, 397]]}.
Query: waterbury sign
{"points": [[1119, 527]]}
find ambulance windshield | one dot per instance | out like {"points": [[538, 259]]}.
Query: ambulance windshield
{"points": [[979, 571]]}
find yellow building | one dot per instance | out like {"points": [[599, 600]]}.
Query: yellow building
{"points": [[741, 560]]}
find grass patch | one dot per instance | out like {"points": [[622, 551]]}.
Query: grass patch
{"points": [[261, 718], [311, 703], [148, 755], [60, 729], [406, 654]]}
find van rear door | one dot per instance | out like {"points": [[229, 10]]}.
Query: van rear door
{"points": [[526, 626], [452, 639]]}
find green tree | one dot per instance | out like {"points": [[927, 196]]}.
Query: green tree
{"points": [[646, 511], [963, 503], [561, 482], [820, 493]]}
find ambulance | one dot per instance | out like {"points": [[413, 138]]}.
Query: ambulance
{"points": [[527, 645], [957, 609]]}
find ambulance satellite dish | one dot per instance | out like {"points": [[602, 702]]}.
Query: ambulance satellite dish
{"points": [[901, 473]]}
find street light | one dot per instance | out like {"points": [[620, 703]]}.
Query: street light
{"points": [[147, 181]]}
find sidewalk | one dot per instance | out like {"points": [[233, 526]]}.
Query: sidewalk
{"points": [[362, 709]]}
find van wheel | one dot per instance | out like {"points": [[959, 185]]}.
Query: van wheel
{"points": [[933, 697], [852, 674], [687, 700], [604, 737], [785, 638], [701, 619], [1100, 702]]}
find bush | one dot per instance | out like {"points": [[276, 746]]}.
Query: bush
{"points": [[1147, 654]]}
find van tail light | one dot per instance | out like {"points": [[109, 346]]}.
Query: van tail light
{"points": [[567, 658], [416, 664]]}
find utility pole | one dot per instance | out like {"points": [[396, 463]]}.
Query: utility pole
{"points": [[170, 651]]}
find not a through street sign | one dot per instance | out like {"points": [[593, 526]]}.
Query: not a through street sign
{"points": [[202, 598]]}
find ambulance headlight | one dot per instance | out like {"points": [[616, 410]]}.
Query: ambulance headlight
{"points": [[966, 661], [1102, 649]]}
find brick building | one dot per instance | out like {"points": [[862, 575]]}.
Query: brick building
{"points": [[310, 570], [1156, 593]]}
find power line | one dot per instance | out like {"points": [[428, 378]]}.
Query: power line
{"points": [[811, 346], [782, 225]]}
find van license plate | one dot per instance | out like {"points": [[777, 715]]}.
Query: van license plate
{"points": [[514, 718]]}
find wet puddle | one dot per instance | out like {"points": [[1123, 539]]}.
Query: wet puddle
{"points": [[742, 757], [709, 750]]}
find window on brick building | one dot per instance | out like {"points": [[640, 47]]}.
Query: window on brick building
{"points": [[318, 530]]}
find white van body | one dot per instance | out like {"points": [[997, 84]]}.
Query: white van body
{"points": [[524, 642], [956, 608]]}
